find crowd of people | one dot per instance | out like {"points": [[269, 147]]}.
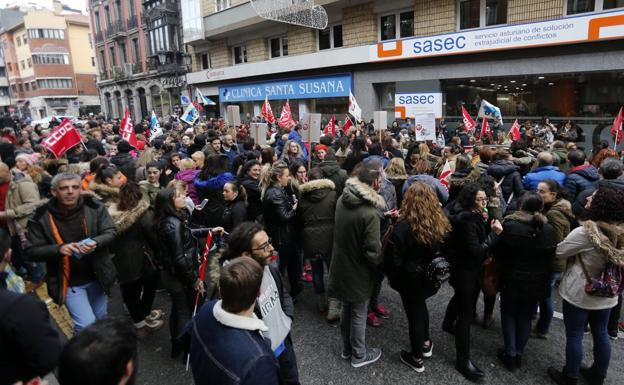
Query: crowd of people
{"points": [[232, 231]]}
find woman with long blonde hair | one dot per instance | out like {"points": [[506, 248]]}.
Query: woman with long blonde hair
{"points": [[421, 230]]}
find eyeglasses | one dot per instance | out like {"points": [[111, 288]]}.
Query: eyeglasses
{"points": [[266, 246], [484, 199]]}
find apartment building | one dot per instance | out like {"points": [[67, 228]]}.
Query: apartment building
{"points": [[141, 60], [50, 63], [8, 19], [530, 57]]}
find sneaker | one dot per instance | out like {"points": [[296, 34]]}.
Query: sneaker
{"points": [[416, 364], [345, 355], [306, 277], [373, 320], [154, 315], [149, 327], [613, 334], [369, 357], [382, 312], [427, 350]]}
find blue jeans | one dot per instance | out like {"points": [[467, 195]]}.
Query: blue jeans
{"points": [[516, 323], [575, 319], [546, 306], [86, 304]]}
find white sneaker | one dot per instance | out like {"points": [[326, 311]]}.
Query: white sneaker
{"points": [[371, 355]]}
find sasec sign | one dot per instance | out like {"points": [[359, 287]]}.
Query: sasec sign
{"points": [[307, 88], [569, 30], [410, 105]]}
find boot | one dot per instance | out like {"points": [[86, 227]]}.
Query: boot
{"points": [[561, 378], [590, 375], [321, 302], [508, 361], [333, 312], [470, 371]]}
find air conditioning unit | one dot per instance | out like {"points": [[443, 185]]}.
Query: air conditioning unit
{"points": [[127, 69]]}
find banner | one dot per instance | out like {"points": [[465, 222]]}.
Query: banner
{"points": [[190, 115], [311, 125], [412, 104], [381, 120], [64, 137], [232, 115], [616, 127], [469, 124], [155, 129], [488, 110], [126, 129], [259, 133], [445, 175], [354, 109], [424, 126], [286, 119], [330, 128]]}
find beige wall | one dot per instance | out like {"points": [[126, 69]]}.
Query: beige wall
{"points": [[80, 50], [43, 19], [522, 11], [220, 54], [301, 40], [359, 25], [432, 17], [22, 53]]}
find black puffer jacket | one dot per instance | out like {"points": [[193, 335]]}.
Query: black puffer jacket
{"points": [[316, 210], [460, 178], [178, 248], [254, 203], [279, 216], [470, 239], [331, 170], [525, 253], [510, 174]]}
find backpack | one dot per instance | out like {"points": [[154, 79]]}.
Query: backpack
{"points": [[390, 267]]}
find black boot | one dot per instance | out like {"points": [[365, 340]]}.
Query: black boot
{"points": [[518, 361], [590, 375], [508, 361], [470, 371], [561, 378]]}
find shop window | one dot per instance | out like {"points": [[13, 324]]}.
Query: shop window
{"points": [[239, 54], [396, 26], [481, 13], [222, 4], [573, 7], [330, 37], [278, 46]]}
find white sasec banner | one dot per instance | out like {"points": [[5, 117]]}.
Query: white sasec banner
{"points": [[424, 125], [410, 105]]}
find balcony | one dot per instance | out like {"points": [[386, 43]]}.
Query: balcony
{"points": [[117, 30]]}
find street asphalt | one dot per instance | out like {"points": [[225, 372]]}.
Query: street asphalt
{"points": [[317, 345]]}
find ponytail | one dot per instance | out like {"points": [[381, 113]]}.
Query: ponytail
{"points": [[269, 175]]}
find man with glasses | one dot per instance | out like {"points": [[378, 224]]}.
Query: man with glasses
{"points": [[274, 305]]}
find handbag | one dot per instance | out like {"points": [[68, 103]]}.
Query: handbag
{"points": [[437, 271], [608, 285], [490, 278]]}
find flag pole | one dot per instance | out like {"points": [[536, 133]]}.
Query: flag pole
{"points": [[617, 133], [309, 141]]}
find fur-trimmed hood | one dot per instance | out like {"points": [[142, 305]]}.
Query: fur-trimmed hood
{"points": [[564, 206], [123, 220], [317, 184], [104, 192], [608, 239], [357, 193], [463, 177]]}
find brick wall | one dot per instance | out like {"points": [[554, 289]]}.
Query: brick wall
{"points": [[522, 11], [257, 50], [359, 25], [85, 83], [432, 17], [301, 40]]}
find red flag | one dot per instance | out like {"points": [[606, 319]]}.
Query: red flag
{"points": [[286, 120], [198, 106], [348, 124], [126, 129], [330, 128], [267, 112], [515, 131], [202, 267], [616, 128], [64, 137], [469, 124], [445, 175], [485, 128]]}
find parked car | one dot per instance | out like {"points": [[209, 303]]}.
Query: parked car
{"points": [[45, 122]]}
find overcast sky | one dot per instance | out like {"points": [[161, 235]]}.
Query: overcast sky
{"points": [[77, 4]]}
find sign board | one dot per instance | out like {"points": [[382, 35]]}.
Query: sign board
{"points": [[381, 120], [311, 125], [424, 126], [259, 132], [410, 105], [233, 116], [317, 87]]}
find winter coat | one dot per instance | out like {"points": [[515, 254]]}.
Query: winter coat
{"points": [[482, 167], [525, 253], [559, 215], [42, 246], [105, 193], [352, 160], [356, 253], [561, 156], [212, 189], [133, 229], [510, 174], [595, 243], [188, 176], [254, 202], [21, 200], [126, 164], [438, 187], [580, 178], [469, 241], [316, 211], [532, 179], [578, 205], [461, 178], [149, 191], [388, 194], [331, 170], [234, 214], [178, 249], [279, 216], [398, 181]]}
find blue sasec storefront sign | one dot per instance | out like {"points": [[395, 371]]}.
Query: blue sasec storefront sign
{"points": [[307, 88]]}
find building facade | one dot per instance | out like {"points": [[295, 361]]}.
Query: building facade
{"points": [[140, 57], [49, 62], [561, 58]]}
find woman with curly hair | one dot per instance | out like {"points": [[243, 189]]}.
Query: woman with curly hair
{"points": [[602, 155], [417, 237], [588, 250]]}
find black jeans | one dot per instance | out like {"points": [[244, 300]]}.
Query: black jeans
{"points": [[139, 297], [415, 305], [459, 312], [488, 302], [288, 371], [289, 260], [614, 317], [181, 308]]}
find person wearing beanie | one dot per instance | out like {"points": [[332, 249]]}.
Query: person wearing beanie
{"points": [[320, 150], [124, 161]]}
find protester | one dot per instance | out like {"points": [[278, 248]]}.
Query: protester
{"points": [[235, 211], [209, 182], [249, 176], [581, 176], [544, 170]]}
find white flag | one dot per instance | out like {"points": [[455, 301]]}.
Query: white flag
{"points": [[354, 109], [190, 115], [155, 129]]}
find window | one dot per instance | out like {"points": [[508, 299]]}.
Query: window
{"points": [[107, 16], [20, 88], [240, 54], [23, 63], [33, 85], [102, 61], [396, 26], [96, 16], [124, 54], [90, 40], [222, 4], [19, 41], [112, 56], [24, 39], [481, 13], [92, 61], [118, 9], [29, 62], [582, 6], [330, 37], [27, 87], [131, 8], [278, 46], [135, 49], [46, 33], [51, 58], [54, 83], [205, 60], [9, 66]]}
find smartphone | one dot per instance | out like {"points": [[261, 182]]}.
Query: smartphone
{"points": [[89, 242], [202, 205]]}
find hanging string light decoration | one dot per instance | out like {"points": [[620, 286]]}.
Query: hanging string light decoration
{"points": [[298, 12]]}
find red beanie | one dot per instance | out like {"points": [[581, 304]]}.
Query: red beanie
{"points": [[320, 147]]}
